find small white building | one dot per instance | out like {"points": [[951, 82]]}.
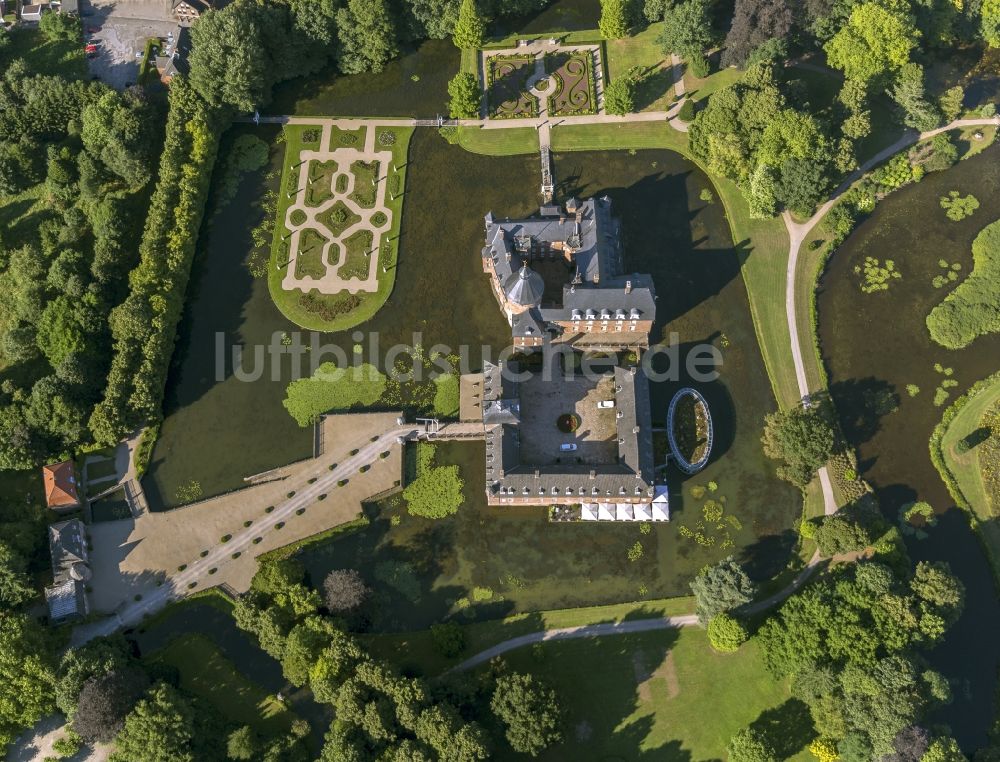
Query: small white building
{"points": [[34, 12]]}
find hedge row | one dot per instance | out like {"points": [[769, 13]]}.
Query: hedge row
{"points": [[144, 326]]}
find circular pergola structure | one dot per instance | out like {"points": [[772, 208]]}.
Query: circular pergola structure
{"points": [[699, 401]]}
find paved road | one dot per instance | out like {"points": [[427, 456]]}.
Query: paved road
{"points": [[797, 233], [198, 569]]}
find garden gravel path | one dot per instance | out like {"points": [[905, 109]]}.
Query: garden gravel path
{"points": [[628, 626]]}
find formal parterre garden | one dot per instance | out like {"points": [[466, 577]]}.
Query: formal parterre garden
{"points": [[575, 92], [342, 310], [507, 86]]}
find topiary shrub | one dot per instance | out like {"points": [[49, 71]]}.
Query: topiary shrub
{"points": [[725, 633], [687, 111]]}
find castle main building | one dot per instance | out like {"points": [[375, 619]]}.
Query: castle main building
{"points": [[560, 277]]}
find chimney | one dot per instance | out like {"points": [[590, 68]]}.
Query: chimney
{"points": [[635, 429], [537, 473], [628, 287], [593, 474]]}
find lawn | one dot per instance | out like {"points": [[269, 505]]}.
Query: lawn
{"points": [[64, 57], [309, 260], [320, 187], [356, 262], [206, 673], [700, 89], [366, 174], [655, 92], [337, 312], [662, 695], [416, 651], [966, 468], [505, 142]]}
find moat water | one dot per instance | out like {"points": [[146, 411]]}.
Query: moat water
{"points": [[874, 345]]}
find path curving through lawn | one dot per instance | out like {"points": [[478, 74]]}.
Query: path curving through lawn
{"points": [[628, 626]]}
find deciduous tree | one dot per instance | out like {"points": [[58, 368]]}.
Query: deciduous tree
{"points": [[802, 438], [877, 39], [529, 711], [161, 728], [344, 589], [756, 22], [465, 96]]}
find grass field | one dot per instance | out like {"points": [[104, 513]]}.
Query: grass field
{"points": [[336, 312], [655, 92], [662, 695], [206, 673], [700, 89], [967, 469], [415, 650]]}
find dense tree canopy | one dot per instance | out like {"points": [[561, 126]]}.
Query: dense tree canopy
{"points": [[756, 22], [161, 728], [876, 40], [802, 438], [27, 674], [529, 711], [775, 152], [367, 36], [849, 643]]}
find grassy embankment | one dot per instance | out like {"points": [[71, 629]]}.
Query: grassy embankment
{"points": [[415, 650], [336, 312], [964, 472]]}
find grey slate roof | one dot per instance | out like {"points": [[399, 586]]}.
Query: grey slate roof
{"points": [[600, 280], [66, 596], [525, 287], [632, 476]]}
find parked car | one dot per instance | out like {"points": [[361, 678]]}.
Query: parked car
{"points": [[606, 404], [568, 447]]}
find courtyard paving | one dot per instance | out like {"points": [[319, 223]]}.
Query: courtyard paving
{"points": [[143, 556], [543, 401]]}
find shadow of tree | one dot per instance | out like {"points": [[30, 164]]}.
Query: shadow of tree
{"points": [[788, 727], [861, 404]]}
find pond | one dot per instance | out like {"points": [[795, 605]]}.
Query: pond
{"points": [[874, 346]]}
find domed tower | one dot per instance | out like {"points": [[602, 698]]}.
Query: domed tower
{"points": [[524, 290]]}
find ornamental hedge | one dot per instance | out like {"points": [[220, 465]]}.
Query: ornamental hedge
{"points": [[144, 326]]}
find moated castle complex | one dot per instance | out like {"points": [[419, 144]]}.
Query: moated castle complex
{"points": [[560, 278]]}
